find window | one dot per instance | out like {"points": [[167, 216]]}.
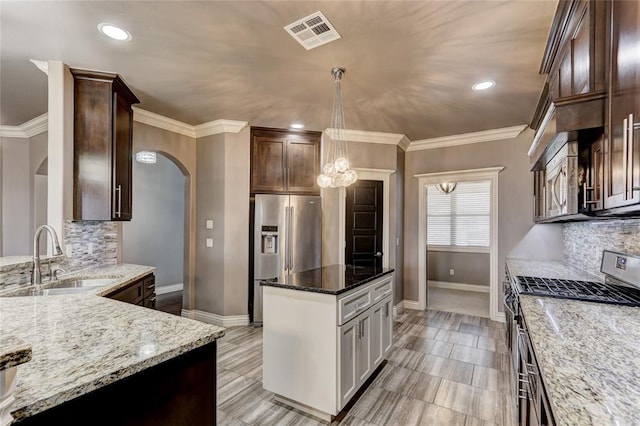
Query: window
{"points": [[460, 218]]}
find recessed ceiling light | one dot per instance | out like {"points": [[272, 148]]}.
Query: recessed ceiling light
{"points": [[297, 126], [484, 85], [114, 32]]}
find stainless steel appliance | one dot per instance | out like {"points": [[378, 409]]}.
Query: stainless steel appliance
{"points": [[621, 286], [287, 239]]}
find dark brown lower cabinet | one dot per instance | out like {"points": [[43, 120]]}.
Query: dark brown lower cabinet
{"points": [[140, 292], [180, 391]]}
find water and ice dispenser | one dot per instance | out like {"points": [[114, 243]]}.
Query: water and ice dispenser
{"points": [[269, 240]]}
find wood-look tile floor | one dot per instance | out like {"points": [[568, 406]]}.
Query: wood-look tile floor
{"points": [[444, 369]]}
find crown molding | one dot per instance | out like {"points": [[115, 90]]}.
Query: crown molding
{"points": [[41, 65], [369, 137], [404, 143], [219, 126], [27, 129], [205, 129], [162, 122], [460, 174], [468, 138]]}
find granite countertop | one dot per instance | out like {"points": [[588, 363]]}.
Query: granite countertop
{"points": [[82, 342], [547, 269], [332, 279], [589, 359], [13, 351]]}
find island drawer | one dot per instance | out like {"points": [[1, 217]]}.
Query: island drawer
{"points": [[382, 289], [350, 306]]}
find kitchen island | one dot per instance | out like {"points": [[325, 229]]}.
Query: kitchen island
{"points": [[326, 331], [102, 361]]}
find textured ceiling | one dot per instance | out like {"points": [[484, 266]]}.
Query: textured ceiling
{"points": [[410, 64]]}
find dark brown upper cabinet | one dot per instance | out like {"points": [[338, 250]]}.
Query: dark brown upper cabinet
{"points": [[284, 162], [575, 62], [103, 125], [622, 165]]}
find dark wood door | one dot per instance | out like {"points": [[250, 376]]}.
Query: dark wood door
{"points": [[122, 155], [623, 163], [364, 224]]}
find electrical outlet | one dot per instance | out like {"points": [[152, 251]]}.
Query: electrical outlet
{"points": [[451, 272], [209, 242], [90, 248], [209, 224]]}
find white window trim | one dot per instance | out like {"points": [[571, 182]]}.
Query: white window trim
{"points": [[425, 179]]}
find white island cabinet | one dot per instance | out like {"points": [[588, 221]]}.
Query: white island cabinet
{"points": [[325, 332]]}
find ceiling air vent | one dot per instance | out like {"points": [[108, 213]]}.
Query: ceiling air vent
{"points": [[312, 31]]}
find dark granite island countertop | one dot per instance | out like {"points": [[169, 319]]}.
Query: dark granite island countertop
{"points": [[331, 279]]}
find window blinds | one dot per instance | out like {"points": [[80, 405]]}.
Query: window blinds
{"points": [[460, 218]]}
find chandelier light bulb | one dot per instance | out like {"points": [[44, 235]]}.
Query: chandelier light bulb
{"points": [[342, 164], [323, 181], [350, 177], [329, 169]]}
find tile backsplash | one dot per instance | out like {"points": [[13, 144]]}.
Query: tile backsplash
{"points": [[90, 243], [102, 236], [584, 241]]}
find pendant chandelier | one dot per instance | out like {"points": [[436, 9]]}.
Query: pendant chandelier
{"points": [[336, 170]]}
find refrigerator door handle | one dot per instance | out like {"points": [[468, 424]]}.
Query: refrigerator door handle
{"points": [[286, 235], [290, 244]]}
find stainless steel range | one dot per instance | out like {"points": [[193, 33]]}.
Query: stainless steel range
{"points": [[621, 286]]}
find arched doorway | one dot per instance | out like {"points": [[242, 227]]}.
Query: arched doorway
{"points": [[158, 233]]}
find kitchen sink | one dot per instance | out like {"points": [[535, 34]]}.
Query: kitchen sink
{"points": [[84, 283], [68, 286]]}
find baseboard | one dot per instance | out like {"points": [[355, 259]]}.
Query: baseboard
{"points": [[164, 289], [398, 309], [215, 319], [411, 304], [458, 286]]}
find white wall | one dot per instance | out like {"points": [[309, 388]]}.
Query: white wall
{"points": [[155, 235]]}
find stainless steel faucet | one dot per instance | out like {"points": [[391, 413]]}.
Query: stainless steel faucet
{"points": [[36, 276]]}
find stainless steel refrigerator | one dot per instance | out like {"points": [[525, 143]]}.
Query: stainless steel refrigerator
{"points": [[287, 239]]}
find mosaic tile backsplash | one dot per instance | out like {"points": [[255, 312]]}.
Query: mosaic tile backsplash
{"points": [[103, 237], [584, 241]]}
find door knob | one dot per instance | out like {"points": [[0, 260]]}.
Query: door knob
{"points": [[378, 254]]}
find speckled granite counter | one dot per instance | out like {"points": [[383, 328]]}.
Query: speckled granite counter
{"points": [[13, 351], [331, 279], [83, 342], [547, 269], [589, 359]]}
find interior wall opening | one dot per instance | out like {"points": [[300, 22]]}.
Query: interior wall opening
{"points": [[155, 235], [458, 243]]}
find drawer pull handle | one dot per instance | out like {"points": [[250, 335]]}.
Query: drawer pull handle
{"points": [[359, 305], [150, 286]]}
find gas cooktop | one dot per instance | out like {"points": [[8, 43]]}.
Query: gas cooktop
{"points": [[590, 291]]}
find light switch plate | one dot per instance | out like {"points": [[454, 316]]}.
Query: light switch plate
{"points": [[209, 224], [209, 242]]}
